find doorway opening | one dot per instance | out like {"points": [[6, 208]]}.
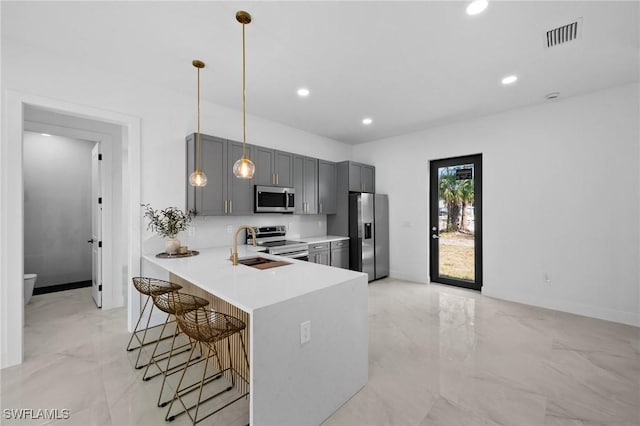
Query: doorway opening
{"points": [[58, 177], [455, 221], [125, 245]]}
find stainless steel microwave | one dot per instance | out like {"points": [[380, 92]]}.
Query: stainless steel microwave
{"points": [[274, 199]]}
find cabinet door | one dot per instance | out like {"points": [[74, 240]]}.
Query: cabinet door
{"points": [[368, 177], [239, 191], [298, 183], [327, 179], [263, 160], [355, 178], [209, 200], [311, 184], [284, 168], [321, 257], [340, 257]]}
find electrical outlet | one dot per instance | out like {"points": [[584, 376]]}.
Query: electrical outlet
{"points": [[305, 332], [229, 229]]}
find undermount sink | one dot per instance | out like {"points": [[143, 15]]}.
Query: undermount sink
{"points": [[262, 262]]}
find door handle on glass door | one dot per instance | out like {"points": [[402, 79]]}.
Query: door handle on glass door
{"points": [[435, 237]]}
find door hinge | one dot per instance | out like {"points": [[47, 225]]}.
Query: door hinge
{"points": [[99, 157], [99, 243], [100, 287], [99, 200]]}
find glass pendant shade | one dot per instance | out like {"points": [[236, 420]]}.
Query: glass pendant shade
{"points": [[198, 178], [244, 168]]}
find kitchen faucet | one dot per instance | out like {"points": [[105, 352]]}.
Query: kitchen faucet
{"points": [[234, 252]]}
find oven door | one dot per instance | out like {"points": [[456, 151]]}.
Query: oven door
{"points": [[273, 199]]}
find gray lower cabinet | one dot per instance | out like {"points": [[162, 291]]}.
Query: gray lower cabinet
{"points": [[305, 182], [224, 193], [320, 253], [340, 254], [327, 178]]}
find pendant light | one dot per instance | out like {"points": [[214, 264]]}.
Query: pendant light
{"points": [[198, 178], [244, 168]]}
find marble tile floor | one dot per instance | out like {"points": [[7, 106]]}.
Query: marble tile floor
{"points": [[438, 355]]}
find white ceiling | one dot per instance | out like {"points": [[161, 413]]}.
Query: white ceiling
{"points": [[408, 65]]}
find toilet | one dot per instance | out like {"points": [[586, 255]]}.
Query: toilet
{"points": [[29, 284]]}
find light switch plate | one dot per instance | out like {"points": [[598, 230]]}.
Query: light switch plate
{"points": [[305, 332]]}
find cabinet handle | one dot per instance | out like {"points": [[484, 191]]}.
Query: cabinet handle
{"points": [[317, 247], [230, 206], [320, 207], [277, 179], [225, 206]]}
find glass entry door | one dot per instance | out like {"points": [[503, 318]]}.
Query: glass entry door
{"points": [[455, 221]]}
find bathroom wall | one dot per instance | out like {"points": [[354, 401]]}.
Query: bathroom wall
{"points": [[57, 208]]}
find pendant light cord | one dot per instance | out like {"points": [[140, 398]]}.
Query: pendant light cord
{"points": [[244, 99], [198, 134]]}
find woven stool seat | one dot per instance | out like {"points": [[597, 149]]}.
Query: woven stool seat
{"points": [[176, 302], [209, 326], [151, 286]]}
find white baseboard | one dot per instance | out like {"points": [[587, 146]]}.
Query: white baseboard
{"points": [[624, 317]]}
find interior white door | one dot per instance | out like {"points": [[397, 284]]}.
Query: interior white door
{"points": [[96, 225]]}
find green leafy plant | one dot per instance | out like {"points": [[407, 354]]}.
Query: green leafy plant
{"points": [[167, 222]]}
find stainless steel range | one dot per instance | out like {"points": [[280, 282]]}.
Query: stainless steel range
{"points": [[274, 239]]}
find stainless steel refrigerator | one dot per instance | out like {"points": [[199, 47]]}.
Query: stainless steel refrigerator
{"points": [[369, 234]]}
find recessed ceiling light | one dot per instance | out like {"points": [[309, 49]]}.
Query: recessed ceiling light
{"points": [[303, 92], [477, 6], [367, 121], [45, 134], [510, 79]]}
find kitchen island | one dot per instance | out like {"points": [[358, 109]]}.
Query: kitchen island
{"points": [[291, 383]]}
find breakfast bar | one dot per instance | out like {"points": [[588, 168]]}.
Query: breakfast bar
{"points": [[307, 327]]}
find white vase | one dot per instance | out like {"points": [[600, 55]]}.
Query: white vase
{"points": [[171, 246]]}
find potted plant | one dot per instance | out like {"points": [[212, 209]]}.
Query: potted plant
{"points": [[168, 222]]}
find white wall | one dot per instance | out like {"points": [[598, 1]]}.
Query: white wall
{"points": [[560, 193], [57, 208]]}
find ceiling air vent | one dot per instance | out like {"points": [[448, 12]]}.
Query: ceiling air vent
{"points": [[564, 34]]}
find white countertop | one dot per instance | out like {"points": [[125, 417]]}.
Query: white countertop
{"points": [[249, 288], [322, 239]]}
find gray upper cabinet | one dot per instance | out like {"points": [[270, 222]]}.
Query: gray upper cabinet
{"points": [[368, 178], [283, 168], [210, 199], [224, 193], [239, 191], [311, 184], [361, 177], [327, 178], [305, 182], [273, 167], [264, 159]]}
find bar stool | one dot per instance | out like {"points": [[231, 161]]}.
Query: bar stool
{"points": [[209, 327], [148, 287], [172, 303]]}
